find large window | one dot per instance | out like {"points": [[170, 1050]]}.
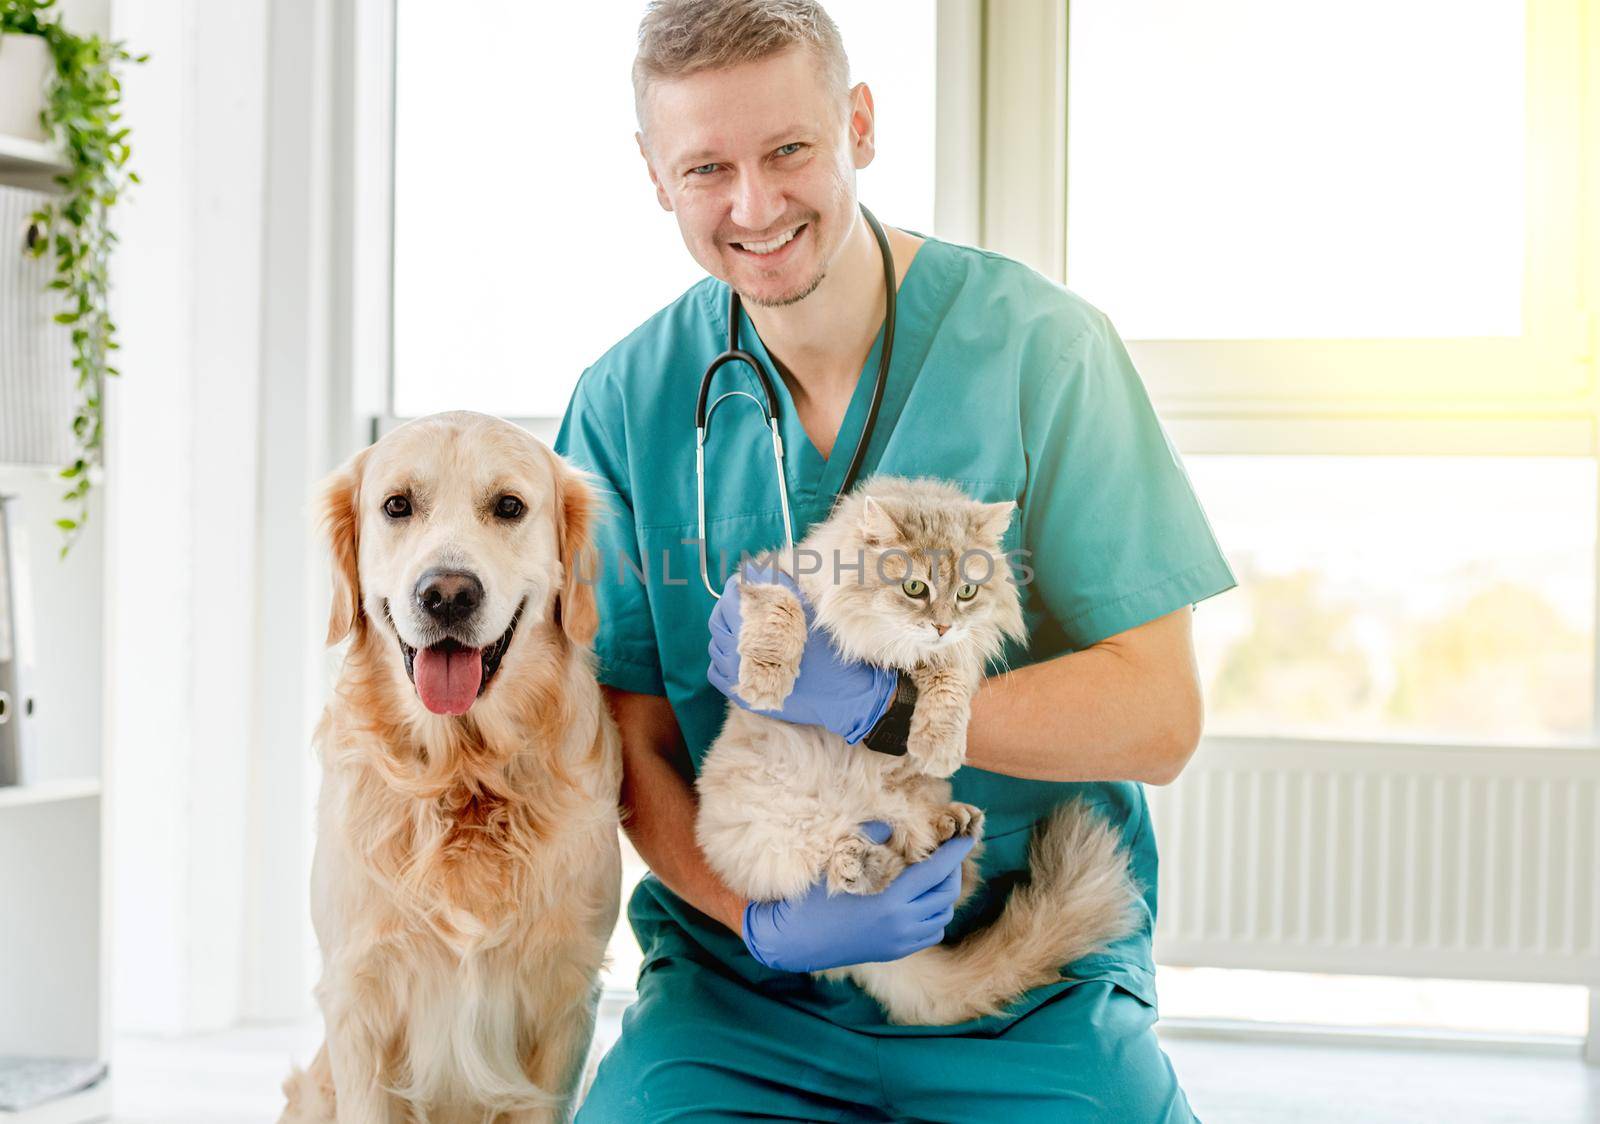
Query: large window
{"points": [[527, 235], [1344, 244]]}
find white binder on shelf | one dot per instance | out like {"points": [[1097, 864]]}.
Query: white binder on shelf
{"points": [[17, 764]]}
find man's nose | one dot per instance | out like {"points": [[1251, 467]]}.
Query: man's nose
{"points": [[449, 596], [757, 202]]}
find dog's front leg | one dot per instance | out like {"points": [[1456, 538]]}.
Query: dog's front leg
{"points": [[357, 1062], [555, 1063], [359, 1015]]}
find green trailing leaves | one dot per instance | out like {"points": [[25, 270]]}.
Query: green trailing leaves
{"points": [[81, 113]]}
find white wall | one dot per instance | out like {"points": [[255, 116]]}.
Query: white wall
{"points": [[182, 465], [219, 429]]}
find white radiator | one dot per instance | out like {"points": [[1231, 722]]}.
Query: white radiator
{"points": [[37, 380], [1459, 862]]}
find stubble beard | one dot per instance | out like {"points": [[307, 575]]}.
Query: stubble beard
{"points": [[795, 297]]}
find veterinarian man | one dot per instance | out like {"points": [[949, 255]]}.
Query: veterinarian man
{"points": [[1001, 382]]}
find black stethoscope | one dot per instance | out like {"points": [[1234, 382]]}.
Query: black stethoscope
{"points": [[769, 409]]}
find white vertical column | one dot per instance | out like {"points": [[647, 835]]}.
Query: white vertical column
{"points": [[295, 427], [1024, 199], [229, 412], [182, 472], [958, 144], [150, 627], [228, 70]]}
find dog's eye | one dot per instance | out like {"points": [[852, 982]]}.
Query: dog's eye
{"points": [[509, 507], [397, 507]]}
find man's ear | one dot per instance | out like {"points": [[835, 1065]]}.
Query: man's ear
{"points": [[339, 520], [661, 194], [576, 611], [863, 125]]}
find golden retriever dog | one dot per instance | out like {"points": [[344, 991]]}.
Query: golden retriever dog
{"points": [[467, 867]]}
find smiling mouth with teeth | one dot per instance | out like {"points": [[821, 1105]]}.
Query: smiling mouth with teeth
{"points": [[449, 676], [778, 243]]}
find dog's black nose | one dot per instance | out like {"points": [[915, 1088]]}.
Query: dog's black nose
{"points": [[449, 596]]}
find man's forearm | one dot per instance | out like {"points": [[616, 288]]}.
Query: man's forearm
{"points": [[1125, 709], [658, 810]]}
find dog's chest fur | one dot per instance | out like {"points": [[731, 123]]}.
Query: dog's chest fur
{"points": [[478, 850], [461, 863]]}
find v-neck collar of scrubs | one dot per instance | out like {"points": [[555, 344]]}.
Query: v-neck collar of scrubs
{"points": [[814, 480]]}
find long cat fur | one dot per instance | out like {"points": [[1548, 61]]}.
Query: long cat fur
{"points": [[781, 804]]}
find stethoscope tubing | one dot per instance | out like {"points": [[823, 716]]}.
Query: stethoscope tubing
{"points": [[769, 410]]}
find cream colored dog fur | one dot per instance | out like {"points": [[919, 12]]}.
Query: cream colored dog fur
{"points": [[467, 871]]}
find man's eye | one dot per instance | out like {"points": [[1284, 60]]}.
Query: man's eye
{"points": [[509, 507], [704, 169], [397, 507], [790, 148]]}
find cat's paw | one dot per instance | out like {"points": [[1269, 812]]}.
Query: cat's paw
{"points": [[763, 686], [860, 866], [958, 819], [936, 753], [772, 638]]}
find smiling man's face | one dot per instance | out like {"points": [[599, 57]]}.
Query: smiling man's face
{"points": [[758, 163]]}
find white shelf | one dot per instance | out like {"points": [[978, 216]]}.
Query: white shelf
{"points": [[48, 792], [30, 164], [93, 1103], [20, 154]]}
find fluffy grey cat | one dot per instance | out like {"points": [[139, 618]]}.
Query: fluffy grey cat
{"points": [[781, 804]]}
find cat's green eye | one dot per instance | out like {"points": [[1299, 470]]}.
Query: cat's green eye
{"points": [[914, 587], [967, 592]]}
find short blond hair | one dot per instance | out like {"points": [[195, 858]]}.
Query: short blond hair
{"points": [[678, 38]]}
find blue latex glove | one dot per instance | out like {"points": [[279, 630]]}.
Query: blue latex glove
{"points": [[817, 931], [840, 694]]}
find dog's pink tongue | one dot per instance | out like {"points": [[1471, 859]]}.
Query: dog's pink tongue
{"points": [[447, 681]]}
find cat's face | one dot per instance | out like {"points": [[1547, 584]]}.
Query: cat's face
{"points": [[934, 585]]}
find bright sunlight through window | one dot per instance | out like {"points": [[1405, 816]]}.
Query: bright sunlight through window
{"points": [[1249, 169]]}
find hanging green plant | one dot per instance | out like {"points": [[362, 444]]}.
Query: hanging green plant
{"points": [[80, 113]]}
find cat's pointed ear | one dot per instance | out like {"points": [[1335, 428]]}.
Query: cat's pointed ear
{"points": [[994, 518], [877, 525]]}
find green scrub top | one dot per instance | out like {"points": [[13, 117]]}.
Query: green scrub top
{"points": [[1002, 382]]}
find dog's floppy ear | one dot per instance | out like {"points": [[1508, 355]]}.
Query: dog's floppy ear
{"points": [[339, 519], [576, 612]]}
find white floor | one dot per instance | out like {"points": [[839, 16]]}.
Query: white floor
{"points": [[233, 1078]]}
